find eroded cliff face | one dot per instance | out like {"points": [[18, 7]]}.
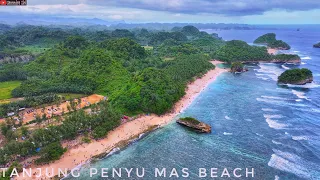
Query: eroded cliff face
{"points": [[309, 80], [4, 58]]}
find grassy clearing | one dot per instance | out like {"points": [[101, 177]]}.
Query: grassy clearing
{"points": [[148, 47], [34, 49], [168, 58], [6, 88], [69, 96]]}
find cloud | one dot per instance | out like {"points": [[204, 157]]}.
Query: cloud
{"points": [[227, 11], [224, 7]]}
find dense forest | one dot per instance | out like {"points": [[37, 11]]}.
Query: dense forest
{"points": [[271, 41], [237, 50]]}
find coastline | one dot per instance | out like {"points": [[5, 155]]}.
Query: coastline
{"points": [[79, 154]]}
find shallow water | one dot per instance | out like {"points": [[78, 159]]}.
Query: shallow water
{"points": [[256, 123]]}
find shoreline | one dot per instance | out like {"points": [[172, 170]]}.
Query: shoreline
{"points": [[123, 135]]}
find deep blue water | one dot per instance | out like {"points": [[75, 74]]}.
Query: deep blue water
{"points": [[256, 123]]}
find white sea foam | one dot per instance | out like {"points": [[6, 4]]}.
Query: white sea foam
{"points": [[276, 142], [303, 63], [263, 78], [300, 138], [277, 116], [249, 120], [258, 74], [228, 118], [292, 163], [306, 58], [298, 100], [271, 71], [227, 134], [259, 134], [286, 133], [296, 51], [276, 177], [279, 102], [308, 85], [114, 150], [284, 67], [299, 94], [269, 110], [275, 124], [274, 97]]}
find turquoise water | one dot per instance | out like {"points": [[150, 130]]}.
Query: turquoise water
{"points": [[256, 124]]}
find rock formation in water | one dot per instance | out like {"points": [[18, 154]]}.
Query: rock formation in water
{"points": [[194, 124]]}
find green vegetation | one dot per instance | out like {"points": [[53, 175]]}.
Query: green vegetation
{"points": [[29, 101], [139, 70], [271, 41], [50, 153], [76, 123], [237, 67], [317, 45], [6, 88], [240, 51], [237, 50], [296, 76], [190, 120], [70, 96]]}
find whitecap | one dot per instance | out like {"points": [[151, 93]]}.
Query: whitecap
{"points": [[300, 138], [293, 163], [271, 71], [259, 134], [298, 100], [276, 177], [284, 67], [277, 116], [114, 150], [263, 78], [227, 134], [299, 94], [269, 110], [249, 120], [276, 142], [308, 85], [296, 51], [227, 117], [275, 124], [306, 58], [303, 63], [278, 102], [260, 74], [274, 97]]}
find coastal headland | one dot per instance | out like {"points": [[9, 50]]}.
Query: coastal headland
{"points": [[79, 153]]}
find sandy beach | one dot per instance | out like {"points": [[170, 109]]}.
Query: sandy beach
{"points": [[272, 51], [78, 154]]}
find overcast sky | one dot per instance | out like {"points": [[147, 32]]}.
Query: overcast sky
{"points": [[204, 11]]}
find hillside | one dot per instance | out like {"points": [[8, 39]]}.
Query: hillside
{"points": [[237, 50], [271, 41]]}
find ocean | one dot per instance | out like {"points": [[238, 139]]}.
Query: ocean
{"points": [[255, 123]]}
